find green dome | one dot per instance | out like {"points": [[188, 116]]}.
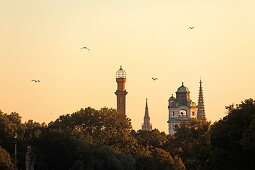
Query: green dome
{"points": [[182, 89]]}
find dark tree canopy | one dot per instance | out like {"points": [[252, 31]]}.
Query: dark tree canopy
{"points": [[61, 151], [191, 142], [153, 138], [104, 139], [233, 138], [105, 126], [5, 160]]}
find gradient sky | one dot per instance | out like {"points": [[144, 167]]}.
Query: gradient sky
{"points": [[41, 39]]}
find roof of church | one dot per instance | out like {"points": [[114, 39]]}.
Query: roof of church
{"points": [[182, 89]]}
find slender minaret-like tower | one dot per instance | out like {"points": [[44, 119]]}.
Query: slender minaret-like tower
{"points": [[146, 124], [200, 106], [121, 91]]}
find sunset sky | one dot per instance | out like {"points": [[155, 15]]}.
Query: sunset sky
{"points": [[41, 39]]}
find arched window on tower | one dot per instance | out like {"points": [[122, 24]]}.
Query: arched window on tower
{"points": [[183, 113]]}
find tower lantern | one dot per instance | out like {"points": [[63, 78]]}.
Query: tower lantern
{"points": [[121, 90]]}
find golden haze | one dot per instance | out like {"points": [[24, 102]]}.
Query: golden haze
{"points": [[42, 40]]}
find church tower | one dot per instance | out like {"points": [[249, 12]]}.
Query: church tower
{"points": [[146, 125], [181, 108], [121, 91], [200, 106]]}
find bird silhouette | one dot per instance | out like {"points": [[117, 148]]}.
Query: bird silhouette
{"points": [[85, 48], [154, 78], [191, 28], [36, 81]]}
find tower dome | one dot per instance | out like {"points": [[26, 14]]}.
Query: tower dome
{"points": [[121, 73], [172, 97], [182, 89]]}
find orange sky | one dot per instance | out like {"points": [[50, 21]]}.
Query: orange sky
{"points": [[42, 40]]}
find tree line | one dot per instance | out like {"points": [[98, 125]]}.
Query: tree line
{"points": [[103, 139]]}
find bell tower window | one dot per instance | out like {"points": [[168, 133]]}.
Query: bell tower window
{"points": [[183, 113]]}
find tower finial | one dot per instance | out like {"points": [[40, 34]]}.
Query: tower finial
{"points": [[182, 83]]}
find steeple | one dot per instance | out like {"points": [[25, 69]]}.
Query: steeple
{"points": [[146, 125], [200, 106]]}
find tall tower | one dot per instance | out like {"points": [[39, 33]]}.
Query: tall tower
{"points": [[121, 91], [200, 106], [146, 125]]}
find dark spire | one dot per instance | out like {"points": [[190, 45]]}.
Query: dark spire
{"points": [[146, 124], [200, 106]]}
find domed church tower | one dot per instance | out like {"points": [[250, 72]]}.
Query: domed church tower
{"points": [[181, 109], [121, 90]]}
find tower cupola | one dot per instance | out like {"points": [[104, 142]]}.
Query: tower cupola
{"points": [[182, 89], [121, 73], [183, 95]]}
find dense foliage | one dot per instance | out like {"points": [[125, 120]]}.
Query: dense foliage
{"points": [[103, 139], [5, 160], [233, 138]]}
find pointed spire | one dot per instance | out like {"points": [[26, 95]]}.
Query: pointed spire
{"points": [[146, 115], [200, 106], [146, 124]]}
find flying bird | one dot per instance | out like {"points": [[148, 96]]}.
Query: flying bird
{"points": [[154, 78], [191, 28], [85, 48], [36, 81]]}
